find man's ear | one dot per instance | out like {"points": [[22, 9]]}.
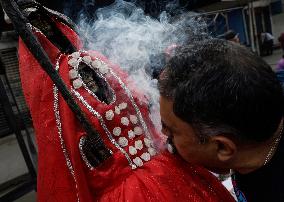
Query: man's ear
{"points": [[226, 148]]}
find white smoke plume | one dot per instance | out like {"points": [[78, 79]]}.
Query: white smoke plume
{"points": [[137, 42]]}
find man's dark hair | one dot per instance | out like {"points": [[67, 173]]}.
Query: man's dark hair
{"points": [[222, 87], [230, 35]]}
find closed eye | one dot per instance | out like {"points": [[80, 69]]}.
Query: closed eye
{"points": [[166, 130]]}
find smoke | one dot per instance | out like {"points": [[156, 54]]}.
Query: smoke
{"points": [[137, 42]]}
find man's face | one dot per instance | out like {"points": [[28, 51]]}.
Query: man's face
{"points": [[185, 139], [236, 39]]}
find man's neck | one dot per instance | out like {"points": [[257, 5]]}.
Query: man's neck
{"points": [[257, 156]]}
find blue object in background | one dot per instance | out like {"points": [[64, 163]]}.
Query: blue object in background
{"points": [[280, 76], [236, 23], [276, 7]]}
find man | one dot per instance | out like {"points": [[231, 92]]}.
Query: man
{"points": [[231, 35], [267, 41], [222, 107]]}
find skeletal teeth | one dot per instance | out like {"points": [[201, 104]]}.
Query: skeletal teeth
{"points": [[103, 69], [96, 64], [87, 59], [75, 55], [73, 62]]}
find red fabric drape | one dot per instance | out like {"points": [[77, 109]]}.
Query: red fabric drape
{"points": [[63, 175]]}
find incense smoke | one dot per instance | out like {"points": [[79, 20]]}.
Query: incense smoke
{"points": [[137, 42]]}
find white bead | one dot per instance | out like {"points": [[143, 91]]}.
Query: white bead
{"points": [[133, 166], [122, 141], [131, 134], [146, 156], [116, 110], [132, 150], [170, 148], [138, 130], [77, 83], [152, 151], [116, 131], [109, 115], [147, 142], [73, 74], [75, 55], [139, 144], [96, 64], [122, 106], [124, 121], [103, 68], [138, 161], [87, 59], [73, 62], [133, 119]]}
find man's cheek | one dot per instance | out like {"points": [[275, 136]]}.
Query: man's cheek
{"points": [[184, 153], [182, 146]]}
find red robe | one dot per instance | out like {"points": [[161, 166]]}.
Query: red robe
{"points": [[133, 172]]}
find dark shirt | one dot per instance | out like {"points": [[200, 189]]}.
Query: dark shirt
{"points": [[267, 183]]}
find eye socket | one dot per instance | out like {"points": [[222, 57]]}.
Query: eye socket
{"points": [[96, 83]]}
